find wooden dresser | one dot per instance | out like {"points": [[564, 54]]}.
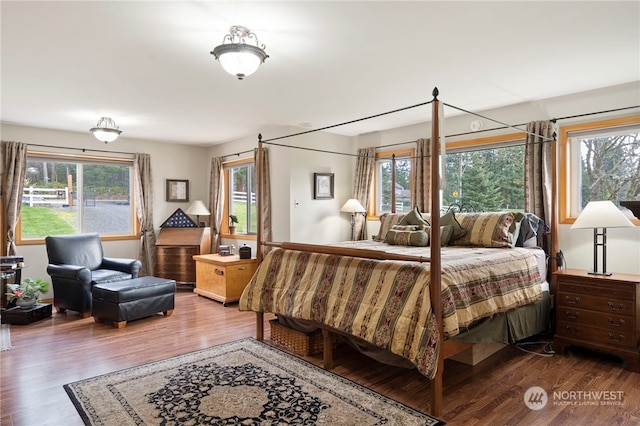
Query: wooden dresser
{"points": [[599, 312], [223, 278], [175, 248]]}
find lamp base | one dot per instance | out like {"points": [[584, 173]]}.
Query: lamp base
{"points": [[606, 274]]}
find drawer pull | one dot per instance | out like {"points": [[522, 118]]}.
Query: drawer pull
{"points": [[572, 316], [614, 308], [620, 338], [575, 330], [616, 324], [219, 271], [242, 268], [572, 302]]}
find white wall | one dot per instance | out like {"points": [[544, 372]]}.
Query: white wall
{"points": [[168, 161]]}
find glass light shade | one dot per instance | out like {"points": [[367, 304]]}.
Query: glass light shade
{"points": [[352, 206], [601, 214], [240, 64], [237, 57], [106, 130], [198, 208]]}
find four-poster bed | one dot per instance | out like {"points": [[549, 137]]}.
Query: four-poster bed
{"points": [[392, 299]]}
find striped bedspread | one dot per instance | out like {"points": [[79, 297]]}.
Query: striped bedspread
{"points": [[387, 303]]}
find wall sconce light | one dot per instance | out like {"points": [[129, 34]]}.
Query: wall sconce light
{"points": [[601, 215], [236, 56], [106, 130], [353, 206], [199, 209]]}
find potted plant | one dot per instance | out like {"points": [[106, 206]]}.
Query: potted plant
{"points": [[233, 219], [27, 293]]}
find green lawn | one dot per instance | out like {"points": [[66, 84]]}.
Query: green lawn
{"points": [[38, 222]]}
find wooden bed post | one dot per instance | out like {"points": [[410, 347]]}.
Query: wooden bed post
{"points": [[259, 247], [435, 269]]}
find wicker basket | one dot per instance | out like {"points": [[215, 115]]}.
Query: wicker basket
{"points": [[298, 342]]}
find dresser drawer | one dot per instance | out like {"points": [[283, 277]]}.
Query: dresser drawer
{"points": [[587, 333], [626, 292], [600, 304], [596, 319]]}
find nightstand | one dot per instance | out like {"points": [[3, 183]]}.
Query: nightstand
{"points": [[599, 312], [223, 278]]}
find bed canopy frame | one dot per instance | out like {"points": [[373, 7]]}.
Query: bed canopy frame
{"points": [[447, 347]]}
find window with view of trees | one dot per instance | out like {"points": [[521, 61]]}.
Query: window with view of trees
{"points": [[241, 196], [490, 179], [70, 197], [602, 162], [388, 170]]}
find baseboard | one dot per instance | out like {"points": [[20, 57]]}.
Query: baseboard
{"points": [[477, 353]]}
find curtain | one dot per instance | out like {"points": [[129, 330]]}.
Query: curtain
{"points": [[216, 201], [538, 169], [362, 187], [422, 176], [144, 211], [13, 167], [265, 195]]}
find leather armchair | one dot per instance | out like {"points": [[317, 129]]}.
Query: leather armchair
{"points": [[76, 263]]}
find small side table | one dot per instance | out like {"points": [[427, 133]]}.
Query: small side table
{"points": [[21, 316], [223, 278]]}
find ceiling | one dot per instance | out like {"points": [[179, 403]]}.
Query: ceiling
{"points": [[147, 65]]}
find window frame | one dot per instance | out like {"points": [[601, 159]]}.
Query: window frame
{"points": [[226, 166], [404, 153], [84, 158], [566, 186]]}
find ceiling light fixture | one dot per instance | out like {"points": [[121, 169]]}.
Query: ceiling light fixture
{"points": [[106, 130], [236, 56]]}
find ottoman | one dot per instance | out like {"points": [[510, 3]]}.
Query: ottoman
{"points": [[123, 301]]}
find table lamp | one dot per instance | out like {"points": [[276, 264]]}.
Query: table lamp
{"points": [[353, 206], [601, 215], [199, 209]]}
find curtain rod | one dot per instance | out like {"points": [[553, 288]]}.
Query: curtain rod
{"points": [[80, 149], [238, 153]]}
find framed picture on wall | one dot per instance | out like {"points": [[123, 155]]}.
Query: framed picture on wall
{"points": [[323, 186], [177, 190]]}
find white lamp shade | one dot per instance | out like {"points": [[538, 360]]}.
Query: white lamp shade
{"points": [[352, 206], [198, 208], [601, 214]]}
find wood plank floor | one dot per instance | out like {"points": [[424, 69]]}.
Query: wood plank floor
{"points": [[64, 348]]}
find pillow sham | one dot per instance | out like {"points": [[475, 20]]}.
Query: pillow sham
{"points": [[414, 217], [446, 232], [387, 220], [493, 229]]}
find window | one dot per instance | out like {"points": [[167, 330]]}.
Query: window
{"points": [[393, 169], [240, 196], [76, 194], [599, 161], [485, 174]]}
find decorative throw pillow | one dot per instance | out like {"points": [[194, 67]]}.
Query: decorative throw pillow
{"points": [[407, 238], [414, 217], [445, 234], [458, 231], [493, 229]]}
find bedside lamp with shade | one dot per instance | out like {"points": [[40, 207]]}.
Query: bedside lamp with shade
{"points": [[601, 215], [353, 206], [198, 209]]}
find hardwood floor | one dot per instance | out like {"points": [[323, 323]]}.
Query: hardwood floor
{"points": [[64, 348]]}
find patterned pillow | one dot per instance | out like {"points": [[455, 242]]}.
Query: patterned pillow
{"points": [[490, 229], [387, 221], [414, 217], [407, 238]]}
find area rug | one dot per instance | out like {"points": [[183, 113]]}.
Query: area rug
{"points": [[245, 382]]}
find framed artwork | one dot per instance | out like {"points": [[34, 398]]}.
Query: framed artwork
{"points": [[177, 190], [323, 186]]}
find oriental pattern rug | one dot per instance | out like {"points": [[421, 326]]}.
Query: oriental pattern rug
{"points": [[245, 382]]}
